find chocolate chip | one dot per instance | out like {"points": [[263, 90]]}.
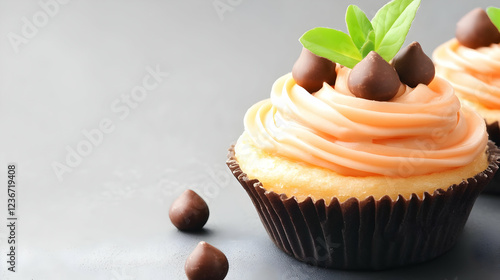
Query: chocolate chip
{"points": [[476, 30], [206, 263], [414, 66], [189, 211], [373, 78], [310, 71]]}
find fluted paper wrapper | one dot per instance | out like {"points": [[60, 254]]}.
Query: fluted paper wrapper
{"points": [[494, 135], [369, 233]]}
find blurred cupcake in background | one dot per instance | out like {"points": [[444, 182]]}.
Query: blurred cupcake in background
{"points": [[471, 63]]}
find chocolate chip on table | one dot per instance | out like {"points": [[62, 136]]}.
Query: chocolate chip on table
{"points": [[414, 66], [206, 263], [310, 71], [374, 78], [189, 211], [476, 30]]}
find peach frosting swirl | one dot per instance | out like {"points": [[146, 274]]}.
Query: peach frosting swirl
{"points": [[475, 73], [420, 131]]}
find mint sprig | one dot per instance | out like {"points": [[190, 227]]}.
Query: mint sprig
{"points": [[494, 14], [384, 34]]}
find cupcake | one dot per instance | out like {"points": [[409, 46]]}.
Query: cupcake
{"points": [[361, 158], [471, 63]]}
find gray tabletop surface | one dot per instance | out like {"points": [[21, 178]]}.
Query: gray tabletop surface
{"points": [[110, 109]]}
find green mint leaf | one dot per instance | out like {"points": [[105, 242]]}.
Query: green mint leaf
{"points": [[359, 25], [494, 14], [369, 45], [331, 44], [391, 24]]}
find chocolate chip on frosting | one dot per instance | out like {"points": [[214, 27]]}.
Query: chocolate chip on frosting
{"points": [[414, 66], [373, 78], [206, 263], [310, 71], [189, 211], [476, 30]]}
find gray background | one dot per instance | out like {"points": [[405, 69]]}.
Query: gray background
{"points": [[108, 217]]}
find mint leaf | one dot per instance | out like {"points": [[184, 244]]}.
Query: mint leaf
{"points": [[385, 34], [494, 14], [331, 44], [391, 24], [369, 45], [359, 25]]}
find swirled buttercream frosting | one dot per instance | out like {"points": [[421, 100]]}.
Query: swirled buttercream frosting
{"points": [[474, 73], [422, 130]]}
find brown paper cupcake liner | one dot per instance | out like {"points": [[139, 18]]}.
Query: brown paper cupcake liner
{"points": [[369, 233], [494, 135]]}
